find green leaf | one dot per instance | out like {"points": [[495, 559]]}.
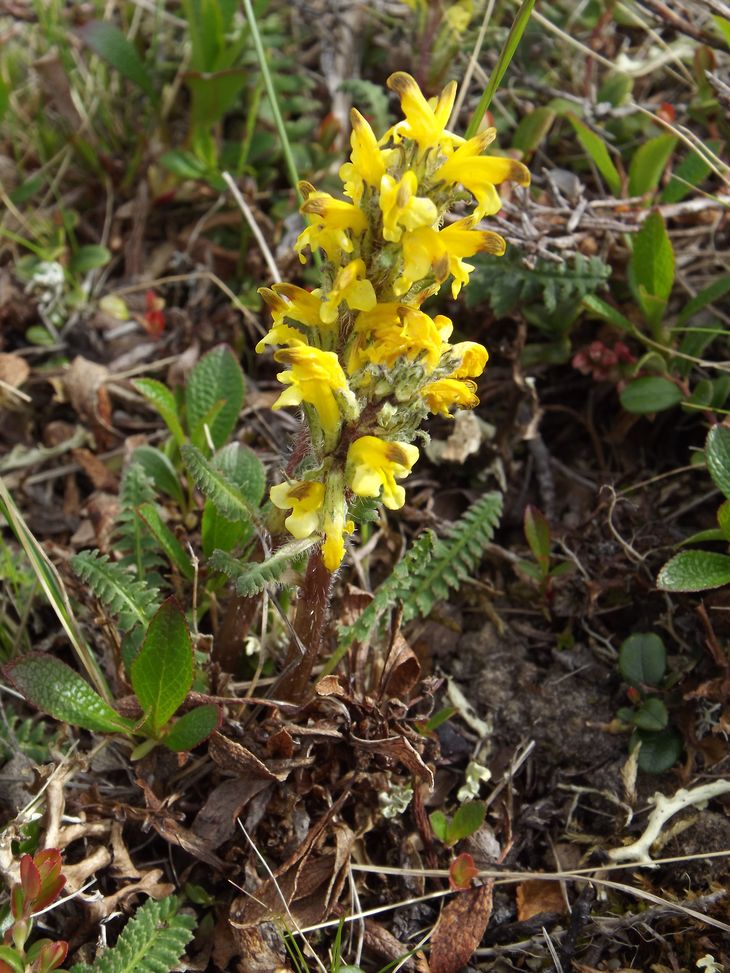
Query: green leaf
{"points": [[469, 817], [192, 728], [216, 485], [244, 469], [643, 659], [252, 577], [717, 457], [161, 398], [160, 470], [659, 751], [650, 394], [133, 601], [594, 145], [162, 671], [607, 312], [537, 534], [166, 539], [690, 172], [723, 519], [707, 296], [56, 689], [723, 25], [533, 128], [615, 89], [439, 825], [14, 962], [216, 378], [695, 571], [651, 715], [652, 262], [112, 46], [505, 56], [185, 164], [648, 163], [702, 536], [214, 95], [88, 258]]}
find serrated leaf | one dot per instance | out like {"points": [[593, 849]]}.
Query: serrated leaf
{"points": [[133, 601], [56, 689], [469, 817], [650, 394], [648, 163], [217, 487], [652, 261], [106, 40], [216, 378], [160, 470], [161, 398], [717, 457], [192, 728], [596, 149], [162, 671], [250, 578], [695, 571], [166, 539], [244, 469], [643, 659]]}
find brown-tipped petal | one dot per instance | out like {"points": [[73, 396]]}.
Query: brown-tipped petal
{"points": [[272, 299], [401, 81], [305, 188], [492, 243]]}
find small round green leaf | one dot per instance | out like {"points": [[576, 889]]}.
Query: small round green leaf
{"points": [[695, 571], [468, 818], [659, 751], [652, 393], [643, 659], [651, 715]]}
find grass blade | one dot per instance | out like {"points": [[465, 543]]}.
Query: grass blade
{"points": [[507, 53], [50, 580]]}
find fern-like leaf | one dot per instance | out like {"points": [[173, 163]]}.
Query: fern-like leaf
{"points": [[506, 282], [217, 486], [455, 558], [132, 536], [430, 569], [250, 578], [153, 941], [135, 602], [394, 589]]}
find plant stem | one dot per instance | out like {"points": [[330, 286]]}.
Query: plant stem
{"points": [[309, 627]]}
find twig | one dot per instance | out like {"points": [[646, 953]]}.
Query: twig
{"points": [[255, 229]]}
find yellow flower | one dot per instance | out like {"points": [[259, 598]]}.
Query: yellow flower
{"points": [[332, 221], [391, 331], [352, 287], [314, 377], [472, 356], [480, 174], [304, 498], [367, 161], [446, 392], [425, 121], [373, 464], [289, 301], [281, 334], [402, 209], [441, 252]]}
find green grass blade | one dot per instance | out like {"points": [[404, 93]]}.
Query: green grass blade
{"points": [[510, 46], [51, 583]]}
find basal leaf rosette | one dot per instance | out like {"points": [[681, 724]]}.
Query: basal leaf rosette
{"points": [[363, 360]]}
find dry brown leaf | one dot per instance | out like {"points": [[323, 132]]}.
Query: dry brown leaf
{"points": [[388, 949], [84, 385], [399, 749], [215, 822], [460, 928], [234, 757], [99, 474], [535, 896], [402, 670], [14, 371]]}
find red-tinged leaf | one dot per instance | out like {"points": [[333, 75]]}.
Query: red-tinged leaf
{"points": [[537, 534], [52, 956], [19, 905], [461, 871], [460, 929], [30, 878]]}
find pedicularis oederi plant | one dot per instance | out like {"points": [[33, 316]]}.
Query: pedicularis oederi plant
{"points": [[362, 359]]}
